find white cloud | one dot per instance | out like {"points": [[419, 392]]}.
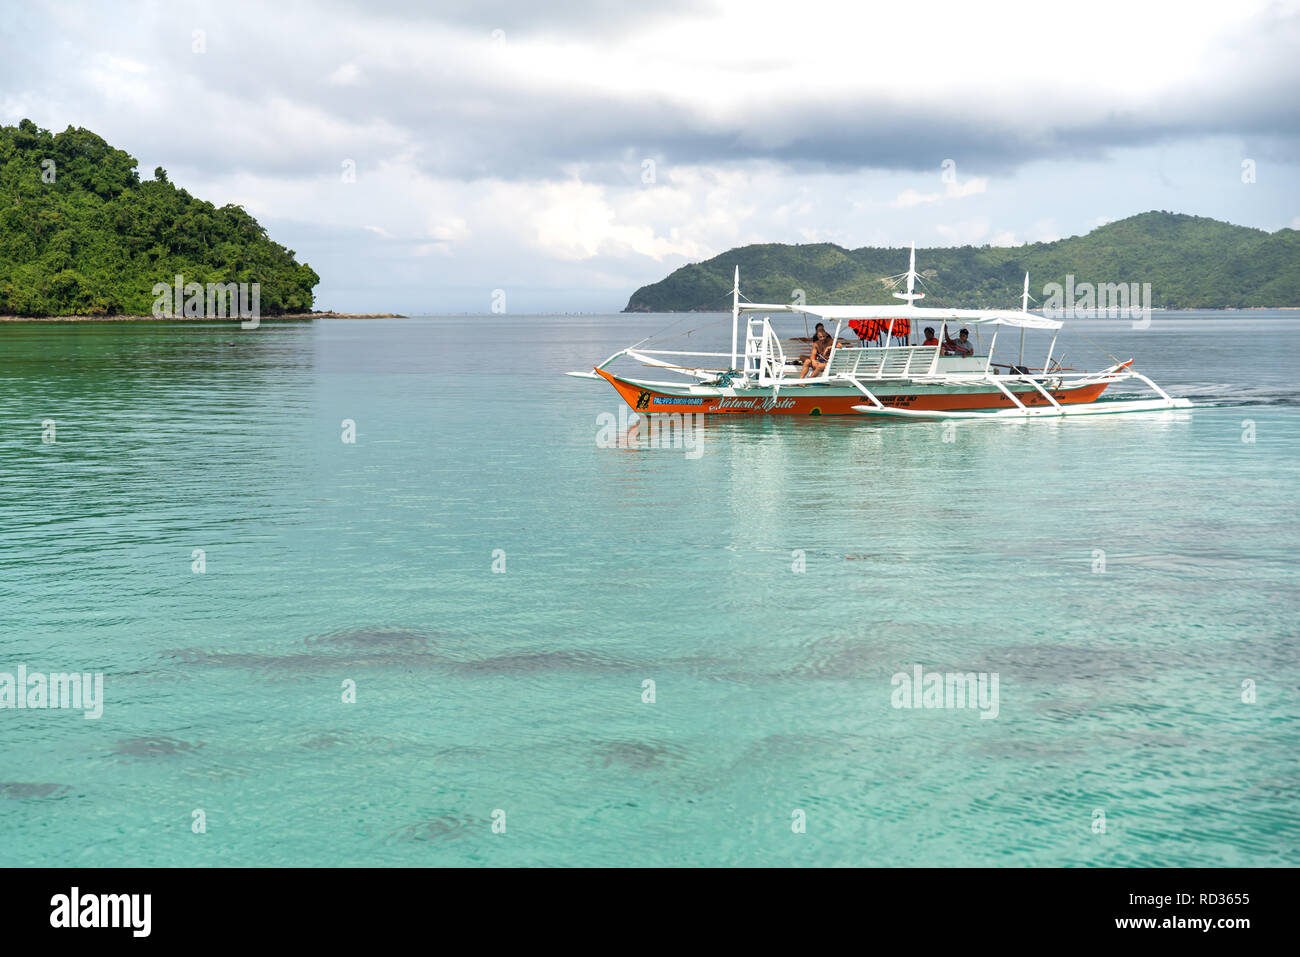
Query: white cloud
{"points": [[969, 232], [346, 75], [449, 229], [952, 190], [1043, 231], [575, 220]]}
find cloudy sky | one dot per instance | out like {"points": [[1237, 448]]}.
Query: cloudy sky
{"points": [[422, 155]]}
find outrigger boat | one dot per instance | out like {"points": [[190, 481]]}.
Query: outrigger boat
{"points": [[889, 379]]}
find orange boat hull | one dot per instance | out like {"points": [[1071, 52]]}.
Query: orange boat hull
{"points": [[813, 400]]}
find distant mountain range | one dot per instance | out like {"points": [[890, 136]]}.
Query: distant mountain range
{"points": [[1191, 262]]}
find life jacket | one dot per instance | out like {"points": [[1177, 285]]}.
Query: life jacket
{"points": [[869, 330], [864, 328]]}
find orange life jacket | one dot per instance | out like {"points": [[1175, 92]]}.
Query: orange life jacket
{"points": [[869, 330]]}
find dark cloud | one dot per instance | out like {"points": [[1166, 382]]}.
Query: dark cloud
{"points": [[594, 18], [274, 104]]}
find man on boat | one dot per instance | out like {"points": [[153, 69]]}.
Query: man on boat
{"points": [[821, 351], [961, 346], [930, 340]]}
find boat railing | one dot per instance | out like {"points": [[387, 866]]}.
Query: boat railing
{"points": [[977, 364], [764, 357], [892, 363]]}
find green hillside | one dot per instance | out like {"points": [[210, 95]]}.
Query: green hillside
{"points": [[85, 236], [1191, 263]]}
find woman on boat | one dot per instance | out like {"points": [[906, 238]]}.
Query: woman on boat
{"points": [[821, 351]]}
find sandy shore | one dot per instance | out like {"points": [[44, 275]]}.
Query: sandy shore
{"points": [[287, 315]]}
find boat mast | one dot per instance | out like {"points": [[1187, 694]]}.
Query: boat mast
{"points": [[735, 315], [1024, 307], [1047, 364], [910, 296]]}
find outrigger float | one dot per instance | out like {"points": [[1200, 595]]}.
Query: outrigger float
{"points": [[892, 379]]}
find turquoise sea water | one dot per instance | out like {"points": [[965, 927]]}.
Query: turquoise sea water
{"points": [[1120, 690]]}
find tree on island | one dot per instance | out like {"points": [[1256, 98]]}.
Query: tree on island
{"points": [[81, 234]]}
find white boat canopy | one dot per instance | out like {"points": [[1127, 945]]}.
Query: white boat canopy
{"points": [[1000, 317]]}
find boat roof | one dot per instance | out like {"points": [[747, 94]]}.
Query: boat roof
{"points": [[1001, 317]]}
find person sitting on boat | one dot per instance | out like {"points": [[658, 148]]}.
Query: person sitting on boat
{"points": [[930, 340], [961, 346], [821, 351]]}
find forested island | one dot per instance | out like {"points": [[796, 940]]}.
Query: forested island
{"points": [[82, 235], [1191, 262]]}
